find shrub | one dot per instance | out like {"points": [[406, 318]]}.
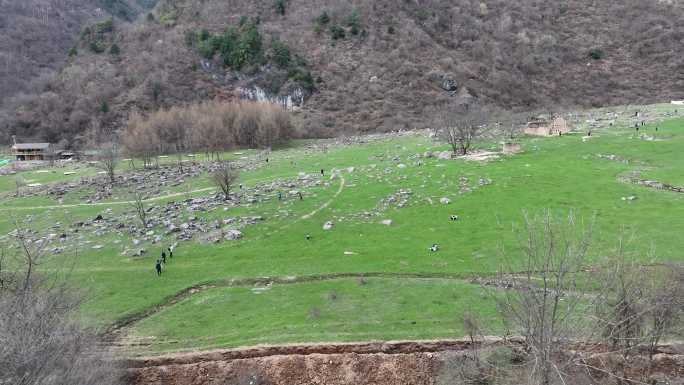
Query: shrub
{"points": [[337, 32], [280, 7], [323, 18], [114, 49], [168, 19], [353, 21], [204, 34], [281, 54], [304, 79], [73, 52], [96, 47], [596, 54], [205, 49], [104, 26], [391, 30]]}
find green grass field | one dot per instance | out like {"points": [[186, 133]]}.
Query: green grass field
{"points": [[560, 174]]}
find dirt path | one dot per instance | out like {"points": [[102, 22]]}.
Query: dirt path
{"points": [[162, 197], [329, 202]]}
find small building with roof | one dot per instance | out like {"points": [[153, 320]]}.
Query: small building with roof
{"points": [[31, 151]]}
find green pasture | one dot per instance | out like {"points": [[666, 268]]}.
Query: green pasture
{"points": [[561, 174]]}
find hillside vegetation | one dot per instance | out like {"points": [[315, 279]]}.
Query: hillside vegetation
{"points": [[36, 36], [362, 65]]}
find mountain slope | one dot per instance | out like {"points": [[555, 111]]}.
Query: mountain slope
{"points": [[35, 35], [377, 65]]}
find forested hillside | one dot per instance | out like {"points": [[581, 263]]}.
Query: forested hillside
{"points": [[361, 65]]}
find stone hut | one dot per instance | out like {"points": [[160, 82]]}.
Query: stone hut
{"points": [[547, 127]]}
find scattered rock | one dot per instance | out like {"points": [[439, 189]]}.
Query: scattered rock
{"points": [[445, 201], [328, 225], [232, 235], [387, 222], [446, 155]]}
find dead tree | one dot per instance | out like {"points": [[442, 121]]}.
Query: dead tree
{"points": [[544, 299], [108, 160], [224, 177], [41, 342], [637, 305], [461, 126], [19, 182], [138, 203]]}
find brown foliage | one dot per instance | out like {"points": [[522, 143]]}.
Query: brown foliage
{"points": [[210, 127]]}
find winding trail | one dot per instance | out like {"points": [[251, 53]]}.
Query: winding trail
{"points": [[329, 202]]}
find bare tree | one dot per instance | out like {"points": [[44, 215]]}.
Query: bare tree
{"points": [[461, 125], [545, 297], [224, 178], [138, 203], [19, 182], [108, 160], [41, 342], [637, 305]]}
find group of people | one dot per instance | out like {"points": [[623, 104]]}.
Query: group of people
{"points": [[162, 261]]}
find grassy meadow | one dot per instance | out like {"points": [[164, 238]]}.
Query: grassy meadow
{"points": [[561, 174]]}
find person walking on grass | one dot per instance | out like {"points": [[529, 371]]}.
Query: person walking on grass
{"points": [[163, 257], [170, 252], [158, 267]]}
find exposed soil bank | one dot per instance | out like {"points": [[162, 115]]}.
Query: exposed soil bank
{"points": [[420, 363]]}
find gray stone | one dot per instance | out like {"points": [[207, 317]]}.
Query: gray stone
{"points": [[232, 235]]}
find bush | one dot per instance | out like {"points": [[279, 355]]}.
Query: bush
{"points": [[596, 54], [353, 21], [323, 18], [280, 7], [337, 32], [304, 79], [73, 52], [281, 54], [114, 49], [96, 47], [104, 26]]}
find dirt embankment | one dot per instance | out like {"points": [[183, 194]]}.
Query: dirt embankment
{"points": [[420, 363]]}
